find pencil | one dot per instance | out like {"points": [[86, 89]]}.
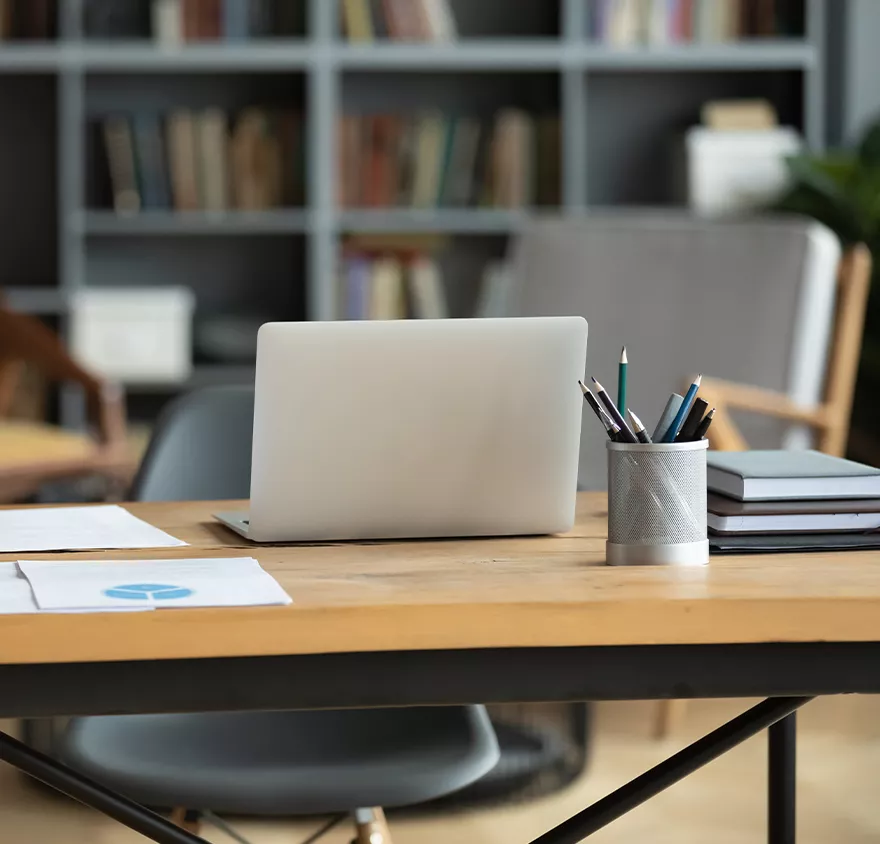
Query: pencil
{"points": [[626, 435], [703, 427], [639, 428], [610, 427], [683, 411], [621, 379]]}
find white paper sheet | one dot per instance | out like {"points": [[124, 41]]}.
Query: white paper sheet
{"points": [[17, 597], [129, 584], [78, 529], [15, 591]]}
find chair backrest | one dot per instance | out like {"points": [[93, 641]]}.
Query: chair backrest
{"points": [[747, 301], [201, 449]]}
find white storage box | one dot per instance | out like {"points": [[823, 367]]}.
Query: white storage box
{"points": [[728, 172], [134, 334]]}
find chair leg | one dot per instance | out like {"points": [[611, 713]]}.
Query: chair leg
{"points": [[670, 713], [188, 819], [371, 827]]}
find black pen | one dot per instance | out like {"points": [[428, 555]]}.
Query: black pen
{"points": [[612, 429], [626, 435], [703, 427], [695, 416], [639, 429]]}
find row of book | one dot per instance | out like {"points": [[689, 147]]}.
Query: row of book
{"points": [[27, 19], [393, 286], [202, 160], [384, 287], [435, 160], [625, 23], [402, 20], [173, 22]]}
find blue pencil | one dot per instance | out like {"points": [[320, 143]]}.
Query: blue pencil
{"points": [[683, 411]]}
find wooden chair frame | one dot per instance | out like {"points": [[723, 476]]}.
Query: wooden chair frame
{"points": [[24, 339], [830, 419]]}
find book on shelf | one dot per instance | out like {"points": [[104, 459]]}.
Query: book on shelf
{"points": [[629, 23], [213, 155], [182, 160], [175, 21], [205, 160], [119, 142], [392, 286], [150, 154], [28, 19], [399, 20], [433, 160]]}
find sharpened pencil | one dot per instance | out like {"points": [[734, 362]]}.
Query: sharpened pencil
{"points": [[626, 435], [639, 428], [621, 379]]}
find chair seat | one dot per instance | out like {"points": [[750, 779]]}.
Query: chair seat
{"points": [[286, 762]]}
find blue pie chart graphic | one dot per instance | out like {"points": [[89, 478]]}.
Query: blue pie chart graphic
{"points": [[145, 591]]}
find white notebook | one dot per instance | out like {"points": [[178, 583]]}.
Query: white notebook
{"points": [[789, 476]]}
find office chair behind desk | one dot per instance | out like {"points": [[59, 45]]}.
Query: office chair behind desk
{"points": [[278, 763]]}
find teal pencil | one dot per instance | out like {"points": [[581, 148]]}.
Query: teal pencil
{"points": [[621, 380], [683, 411]]}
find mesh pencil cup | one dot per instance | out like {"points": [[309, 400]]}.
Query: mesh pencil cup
{"points": [[657, 504]]}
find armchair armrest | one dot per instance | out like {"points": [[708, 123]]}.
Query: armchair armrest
{"points": [[728, 395]]}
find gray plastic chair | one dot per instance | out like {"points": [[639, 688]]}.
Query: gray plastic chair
{"points": [[279, 763]]}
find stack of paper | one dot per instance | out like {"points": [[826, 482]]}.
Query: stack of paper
{"points": [[78, 529], [126, 585]]}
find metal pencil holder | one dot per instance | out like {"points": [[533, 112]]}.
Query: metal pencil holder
{"points": [[657, 504]]}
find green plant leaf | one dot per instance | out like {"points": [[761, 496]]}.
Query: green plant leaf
{"points": [[869, 147]]}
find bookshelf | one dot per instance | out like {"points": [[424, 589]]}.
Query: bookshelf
{"points": [[619, 108]]}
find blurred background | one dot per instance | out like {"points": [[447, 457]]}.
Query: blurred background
{"points": [[173, 173]]}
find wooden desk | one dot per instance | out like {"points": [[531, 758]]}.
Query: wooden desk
{"points": [[459, 621], [533, 592]]}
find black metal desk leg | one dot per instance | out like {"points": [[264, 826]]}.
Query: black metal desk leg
{"points": [[93, 794], [781, 780]]}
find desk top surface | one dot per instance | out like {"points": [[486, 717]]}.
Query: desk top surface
{"points": [[551, 591]]}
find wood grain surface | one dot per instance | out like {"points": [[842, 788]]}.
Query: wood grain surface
{"points": [[471, 593]]}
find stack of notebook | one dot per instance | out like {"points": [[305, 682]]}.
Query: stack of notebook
{"points": [[791, 500]]}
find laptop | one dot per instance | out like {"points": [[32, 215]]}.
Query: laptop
{"points": [[415, 428]]}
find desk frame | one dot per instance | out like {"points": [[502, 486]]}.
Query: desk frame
{"points": [[789, 674]]}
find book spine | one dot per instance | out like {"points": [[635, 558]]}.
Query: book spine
{"points": [[357, 20], [151, 166], [357, 299], [191, 19], [167, 22], [235, 20], [182, 160], [213, 158], [210, 14], [392, 19], [121, 161]]}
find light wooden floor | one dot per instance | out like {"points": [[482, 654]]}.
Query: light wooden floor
{"points": [[838, 790]]}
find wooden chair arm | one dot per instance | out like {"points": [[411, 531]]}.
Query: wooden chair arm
{"points": [[730, 395], [24, 338]]}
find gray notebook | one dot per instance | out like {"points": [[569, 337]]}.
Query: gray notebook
{"points": [[789, 476]]}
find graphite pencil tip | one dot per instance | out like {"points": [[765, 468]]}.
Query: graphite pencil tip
{"points": [[584, 388], [623, 358], [637, 423], [598, 385]]}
